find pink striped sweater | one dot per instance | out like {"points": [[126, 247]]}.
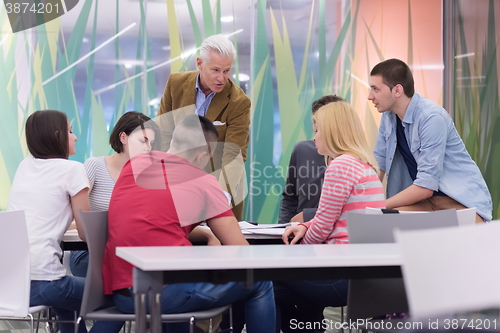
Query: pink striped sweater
{"points": [[349, 185]]}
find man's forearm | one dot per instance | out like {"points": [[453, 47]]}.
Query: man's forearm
{"points": [[408, 196], [199, 235]]}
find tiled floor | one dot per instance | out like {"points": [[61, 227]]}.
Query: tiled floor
{"points": [[15, 327], [7, 326], [333, 315]]}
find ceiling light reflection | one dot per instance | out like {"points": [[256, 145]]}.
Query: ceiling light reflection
{"points": [[242, 77]]}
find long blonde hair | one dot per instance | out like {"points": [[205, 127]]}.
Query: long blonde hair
{"points": [[341, 130]]}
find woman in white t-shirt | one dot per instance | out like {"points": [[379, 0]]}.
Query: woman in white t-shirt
{"points": [[51, 190]]}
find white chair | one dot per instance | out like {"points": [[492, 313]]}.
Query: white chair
{"points": [[451, 270], [15, 263], [95, 227], [369, 298], [465, 216]]}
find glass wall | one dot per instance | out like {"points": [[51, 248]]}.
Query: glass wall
{"points": [[103, 58], [475, 71], [297, 58]]}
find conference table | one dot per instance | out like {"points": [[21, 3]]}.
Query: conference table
{"points": [[71, 241], [156, 266]]}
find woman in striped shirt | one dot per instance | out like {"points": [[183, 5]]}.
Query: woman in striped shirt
{"points": [[134, 133], [351, 184]]}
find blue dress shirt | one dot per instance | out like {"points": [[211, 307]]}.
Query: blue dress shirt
{"points": [[443, 162], [202, 102]]}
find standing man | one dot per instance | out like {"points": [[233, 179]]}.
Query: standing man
{"points": [[428, 167], [210, 93]]}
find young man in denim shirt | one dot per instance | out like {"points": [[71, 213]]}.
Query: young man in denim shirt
{"points": [[418, 147]]}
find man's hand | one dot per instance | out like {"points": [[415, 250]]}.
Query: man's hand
{"points": [[298, 231], [298, 218]]}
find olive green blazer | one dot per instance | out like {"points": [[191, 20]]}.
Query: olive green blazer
{"points": [[229, 110]]}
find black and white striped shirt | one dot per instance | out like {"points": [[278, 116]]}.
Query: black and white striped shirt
{"points": [[102, 183]]}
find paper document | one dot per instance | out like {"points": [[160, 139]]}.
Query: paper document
{"points": [[248, 228], [267, 231], [248, 225], [246, 231]]}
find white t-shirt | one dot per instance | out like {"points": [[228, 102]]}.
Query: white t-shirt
{"points": [[42, 188]]}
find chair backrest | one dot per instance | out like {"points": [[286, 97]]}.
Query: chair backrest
{"points": [[95, 227], [452, 270], [375, 297], [378, 228], [465, 216], [15, 263]]}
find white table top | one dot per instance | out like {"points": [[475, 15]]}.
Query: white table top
{"points": [[172, 258], [71, 236]]}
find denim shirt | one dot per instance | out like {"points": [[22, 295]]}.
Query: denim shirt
{"points": [[443, 162]]}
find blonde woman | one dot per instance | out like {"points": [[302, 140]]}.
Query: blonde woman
{"points": [[351, 183]]}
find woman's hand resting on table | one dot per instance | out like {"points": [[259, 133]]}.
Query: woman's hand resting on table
{"points": [[296, 231]]}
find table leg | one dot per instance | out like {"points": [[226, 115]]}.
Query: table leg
{"points": [[151, 283], [140, 312], [156, 309], [249, 283]]}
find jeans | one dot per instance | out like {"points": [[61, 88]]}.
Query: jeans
{"points": [[186, 297], [65, 296], [304, 301], [78, 263]]}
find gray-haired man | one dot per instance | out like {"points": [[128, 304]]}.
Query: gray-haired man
{"points": [[209, 92]]}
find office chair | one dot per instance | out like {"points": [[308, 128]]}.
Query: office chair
{"points": [[368, 298]]}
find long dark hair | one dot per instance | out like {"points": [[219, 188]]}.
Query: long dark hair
{"points": [[47, 134]]}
